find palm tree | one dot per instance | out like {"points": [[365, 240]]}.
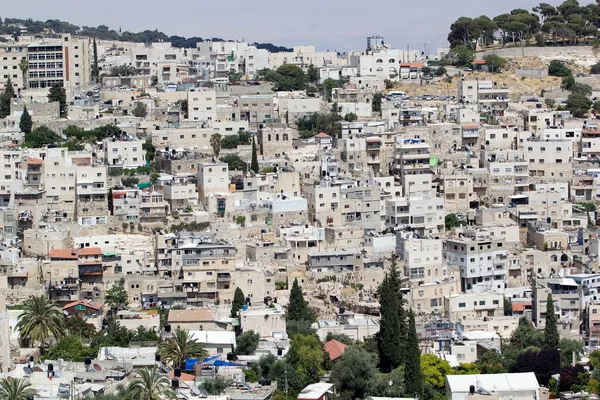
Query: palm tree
{"points": [[149, 385], [40, 320], [24, 66], [215, 143], [16, 389], [180, 347]]}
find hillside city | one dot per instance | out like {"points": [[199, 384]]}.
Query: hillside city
{"points": [[187, 218]]}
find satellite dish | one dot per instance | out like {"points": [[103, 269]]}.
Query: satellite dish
{"points": [[27, 371], [97, 367]]}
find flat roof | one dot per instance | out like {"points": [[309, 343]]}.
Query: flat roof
{"points": [[493, 382]]}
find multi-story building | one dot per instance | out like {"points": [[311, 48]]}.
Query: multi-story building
{"points": [[565, 295], [202, 264], [460, 307], [124, 152], [489, 97], [412, 164], [65, 62], [91, 193], [483, 263], [423, 261]]}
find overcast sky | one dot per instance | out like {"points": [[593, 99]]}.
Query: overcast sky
{"points": [[328, 24]]}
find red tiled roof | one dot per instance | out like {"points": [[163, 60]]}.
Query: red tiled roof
{"points": [[413, 65], [479, 62], [519, 307], [63, 253], [335, 349], [470, 127], [184, 377], [89, 251], [34, 161], [592, 131], [322, 135], [85, 303]]}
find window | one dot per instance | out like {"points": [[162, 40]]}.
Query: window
{"points": [[462, 305]]}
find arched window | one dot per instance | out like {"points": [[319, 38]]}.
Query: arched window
{"points": [[269, 137], [277, 137]]}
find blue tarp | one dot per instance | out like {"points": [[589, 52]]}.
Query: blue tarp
{"points": [[213, 360]]}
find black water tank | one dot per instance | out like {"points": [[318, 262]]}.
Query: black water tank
{"points": [[177, 372], [157, 357], [167, 328], [50, 367], [472, 389], [87, 361], [279, 351], [230, 356], [30, 358], [175, 383], [342, 310]]}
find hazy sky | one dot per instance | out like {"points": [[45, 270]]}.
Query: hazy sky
{"points": [[328, 24]]}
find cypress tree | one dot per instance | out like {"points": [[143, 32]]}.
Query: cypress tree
{"points": [[238, 302], [551, 336], [412, 369], [95, 67], [6, 99], [389, 338], [298, 307], [254, 165], [25, 124]]}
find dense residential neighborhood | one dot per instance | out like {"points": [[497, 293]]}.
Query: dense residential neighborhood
{"points": [[188, 218]]}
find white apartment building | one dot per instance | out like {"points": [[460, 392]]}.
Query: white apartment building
{"points": [[468, 306], [482, 263], [212, 179], [11, 56], [304, 56], [324, 203], [202, 106], [487, 95], [422, 214], [423, 261], [412, 160], [124, 153], [91, 192]]}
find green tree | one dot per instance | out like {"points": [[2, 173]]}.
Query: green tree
{"points": [[390, 385], [550, 103], [58, 94], [463, 56], [215, 142], [254, 164], [392, 332], [298, 309], [567, 348], [26, 124], [290, 77], [179, 347], [414, 367], [526, 335], [451, 221], [247, 343], [238, 302], [140, 110], [558, 68], [306, 355], [95, 65], [340, 337], [240, 220], [376, 103], [116, 296], [234, 76], [6, 98], [434, 369], [495, 63], [40, 321], [149, 384], [77, 326], [350, 117], [567, 82], [216, 386], [466, 369], [312, 74], [16, 389], [581, 88], [233, 161], [230, 142], [551, 336], [355, 372], [595, 69], [490, 362], [39, 137], [302, 327], [578, 105], [70, 348]]}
